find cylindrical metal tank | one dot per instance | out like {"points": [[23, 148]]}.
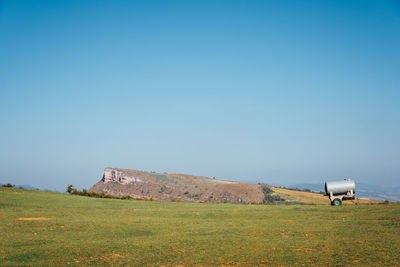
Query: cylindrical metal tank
{"points": [[340, 187]]}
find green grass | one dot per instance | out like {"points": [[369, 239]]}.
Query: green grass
{"points": [[91, 231], [162, 177]]}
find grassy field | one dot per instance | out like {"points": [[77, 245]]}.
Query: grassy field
{"points": [[75, 230]]}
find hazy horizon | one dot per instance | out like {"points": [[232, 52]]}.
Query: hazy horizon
{"points": [[280, 92]]}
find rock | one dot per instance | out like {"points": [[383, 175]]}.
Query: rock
{"points": [[115, 175]]}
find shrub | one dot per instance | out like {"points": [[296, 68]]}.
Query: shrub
{"points": [[268, 197], [267, 190], [272, 198], [72, 191], [8, 185], [85, 193]]}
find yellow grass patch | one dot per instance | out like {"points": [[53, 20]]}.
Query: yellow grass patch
{"points": [[33, 219], [314, 198]]}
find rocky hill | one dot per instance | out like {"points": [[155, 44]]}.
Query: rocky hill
{"points": [[189, 188], [175, 187]]}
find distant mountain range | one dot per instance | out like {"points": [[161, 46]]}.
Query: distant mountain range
{"points": [[362, 190], [26, 186], [29, 187]]}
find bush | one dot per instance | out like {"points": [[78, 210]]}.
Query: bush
{"points": [[267, 190], [72, 191], [268, 197], [8, 185], [272, 198]]}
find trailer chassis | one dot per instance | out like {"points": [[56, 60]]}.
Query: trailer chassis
{"points": [[337, 200]]}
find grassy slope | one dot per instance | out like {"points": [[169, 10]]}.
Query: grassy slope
{"points": [[87, 231]]}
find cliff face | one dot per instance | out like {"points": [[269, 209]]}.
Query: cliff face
{"points": [[175, 187], [116, 175]]}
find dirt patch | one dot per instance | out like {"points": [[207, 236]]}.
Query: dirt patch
{"points": [[285, 234], [306, 249], [33, 219], [256, 234]]}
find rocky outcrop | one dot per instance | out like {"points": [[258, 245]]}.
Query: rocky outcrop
{"points": [[116, 175]]}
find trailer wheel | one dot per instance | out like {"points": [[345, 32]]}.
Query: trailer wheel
{"points": [[336, 202]]}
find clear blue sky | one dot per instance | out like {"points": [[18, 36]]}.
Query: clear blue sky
{"points": [[280, 92]]}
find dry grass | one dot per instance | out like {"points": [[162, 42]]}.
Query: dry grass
{"points": [[313, 198], [33, 219]]}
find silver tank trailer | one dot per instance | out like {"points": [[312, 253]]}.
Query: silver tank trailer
{"points": [[340, 190], [340, 187]]}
